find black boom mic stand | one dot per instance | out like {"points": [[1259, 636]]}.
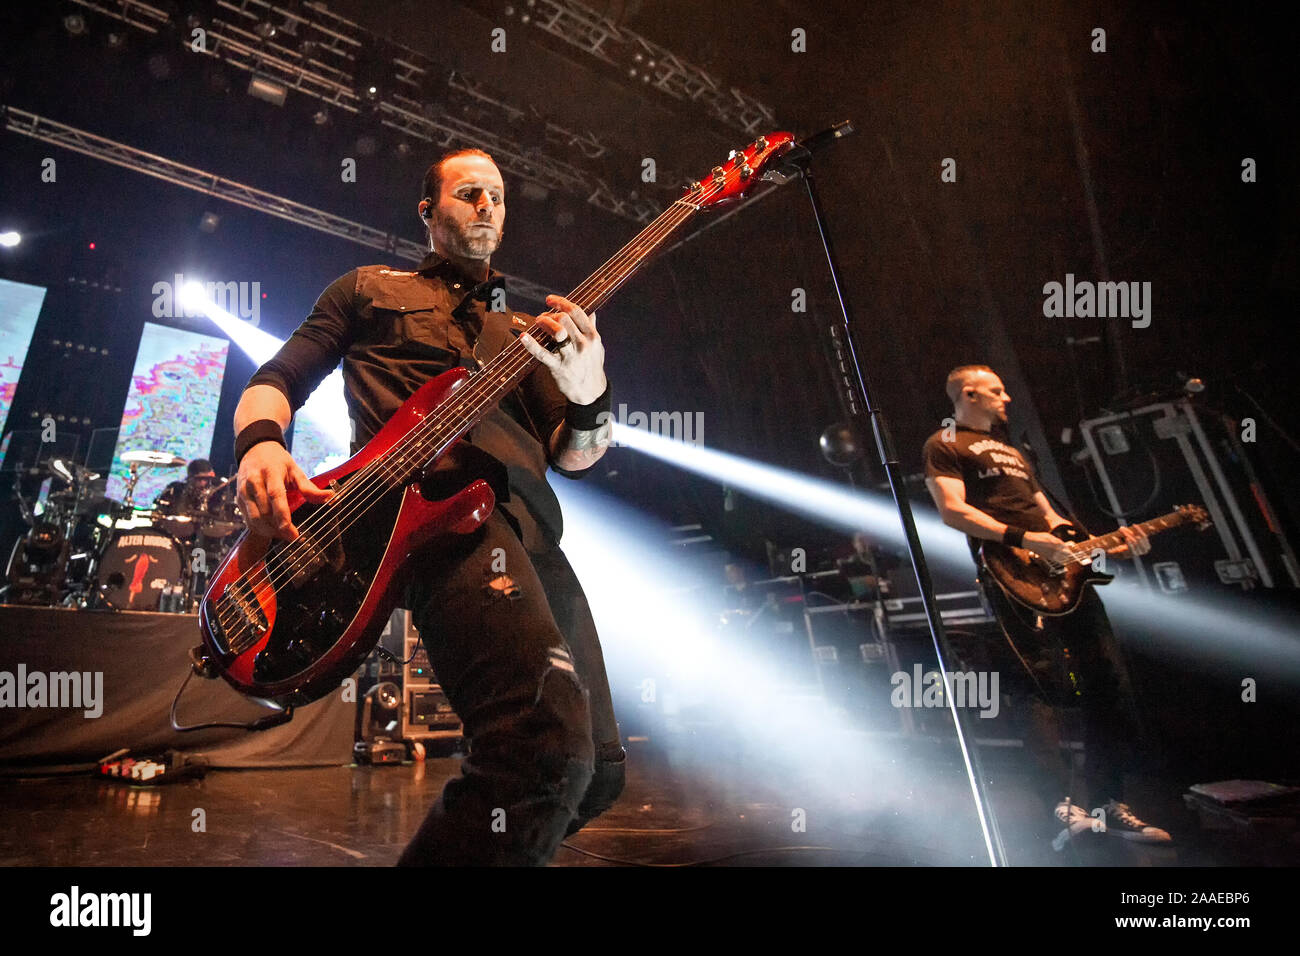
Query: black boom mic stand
{"points": [[797, 161]]}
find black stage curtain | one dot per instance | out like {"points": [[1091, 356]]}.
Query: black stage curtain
{"points": [[144, 658]]}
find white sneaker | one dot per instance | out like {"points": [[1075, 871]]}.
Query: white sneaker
{"points": [[1076, 820]]}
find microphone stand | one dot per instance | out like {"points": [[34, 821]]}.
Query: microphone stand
{"points": [[797, 161]]}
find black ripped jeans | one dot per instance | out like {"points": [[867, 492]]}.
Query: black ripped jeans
{"points": [[1073, 661], [511, 639]]}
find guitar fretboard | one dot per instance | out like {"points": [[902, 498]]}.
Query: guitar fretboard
{"points": [[1105, 542]]}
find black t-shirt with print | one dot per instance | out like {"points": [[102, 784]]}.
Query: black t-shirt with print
{"points": [[998, 480]]}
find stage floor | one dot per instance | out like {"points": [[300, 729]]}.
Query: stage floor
{"points": [[906, 803]]}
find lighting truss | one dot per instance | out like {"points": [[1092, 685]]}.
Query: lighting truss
{"points": [[210, 184], [580, 26], [327, 73]]}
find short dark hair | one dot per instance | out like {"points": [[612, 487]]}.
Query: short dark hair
{"points": [[957, 379], [198, 466], [431, 185]]}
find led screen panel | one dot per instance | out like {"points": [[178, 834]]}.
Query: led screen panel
{"points": [[20, 304], [322, 429], [171, 406]]}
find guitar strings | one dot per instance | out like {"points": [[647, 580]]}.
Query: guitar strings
{"points": [[389, 467], [1081, 550]]}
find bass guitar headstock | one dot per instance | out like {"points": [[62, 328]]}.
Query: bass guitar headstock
{"points": [[743, 170]]}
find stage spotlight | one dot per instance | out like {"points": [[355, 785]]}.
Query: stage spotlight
{"points": [[657, 613], [371, 74], [75, 24], [10, 239], [263, 88], [840, 445], [321, 117], [1209, 627], [115, 39], [823, 501], [209, 222], [326, 407]]}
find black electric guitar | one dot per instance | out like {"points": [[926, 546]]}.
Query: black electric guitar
{"points": [[1049, 587]]}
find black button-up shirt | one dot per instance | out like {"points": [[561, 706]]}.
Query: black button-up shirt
{"points": [[395, 330]]}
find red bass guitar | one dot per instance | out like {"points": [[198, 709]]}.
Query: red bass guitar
{"points": [[288, 621]]}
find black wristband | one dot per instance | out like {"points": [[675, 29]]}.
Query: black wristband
{"points": [[586, 418], [264, 429], [1013, 537]]}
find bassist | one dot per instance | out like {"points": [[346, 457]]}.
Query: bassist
{"points": [[983, 486], [507, 627]]}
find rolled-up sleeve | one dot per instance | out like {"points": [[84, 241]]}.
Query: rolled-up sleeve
{"points": [[316, 347]]}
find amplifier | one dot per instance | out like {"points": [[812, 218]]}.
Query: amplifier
{"points": [[956, 608], [425, 712], [430, 709]]}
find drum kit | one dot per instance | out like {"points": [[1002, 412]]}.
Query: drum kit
{"points": [[84, 550]]}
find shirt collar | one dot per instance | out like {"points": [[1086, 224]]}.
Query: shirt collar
{"points": [[434, 264]]}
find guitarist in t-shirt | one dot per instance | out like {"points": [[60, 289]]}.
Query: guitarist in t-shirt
{"points": [[983, 486]]}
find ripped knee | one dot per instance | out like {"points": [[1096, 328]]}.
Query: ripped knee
{"points": [[502, 588]]}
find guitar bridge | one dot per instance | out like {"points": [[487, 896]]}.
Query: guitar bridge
{"points": [[239, 612]]}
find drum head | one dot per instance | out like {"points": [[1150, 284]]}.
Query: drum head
{"points": [[181, 527], [138, 564], [223, 518]]}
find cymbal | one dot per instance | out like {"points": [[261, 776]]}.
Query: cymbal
{"points": [[71, 472], [159, 459]]}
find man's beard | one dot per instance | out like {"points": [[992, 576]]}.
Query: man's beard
{"points": [[468, 241]]}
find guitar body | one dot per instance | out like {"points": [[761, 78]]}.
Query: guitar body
{"points": [[291, 638], [1028, 580]]}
